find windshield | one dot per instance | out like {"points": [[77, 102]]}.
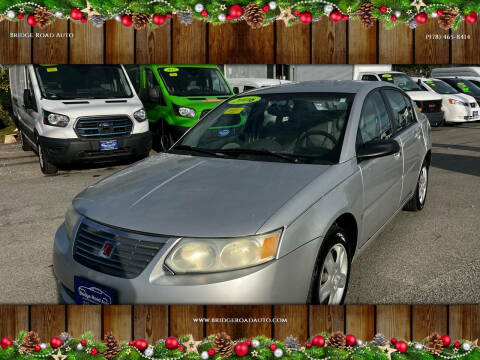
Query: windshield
{"points": [[184, 81], [301, 127], [82, 82], [403, 81], [465, 86], [440, 87]]}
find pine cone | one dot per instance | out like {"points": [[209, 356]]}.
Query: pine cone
{"points": [[223, 344], [291, 343], [186, 17], [29, 341], [447, 19], [254, 16], [365, 14], [98, 20], [42, 15], [379, 340], [112, 346], [434, 344], [412, 23], [140, 21], [337, 339]]}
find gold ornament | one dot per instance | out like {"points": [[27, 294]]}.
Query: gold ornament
{"points": [[89, 10], [387, 349], [191, 345], [286, 15], [254, 353], [418, 4], [389, 10], [349, 10], [59, 356]]}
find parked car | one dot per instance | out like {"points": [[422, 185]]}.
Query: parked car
{"points": [[177, 96], [78, 113], [266, 200], [458, 107], [471, 73], [240, 85], [463, 86]]}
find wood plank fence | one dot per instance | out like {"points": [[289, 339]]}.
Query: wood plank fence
{"points": [[158, 321], [321, 42]]}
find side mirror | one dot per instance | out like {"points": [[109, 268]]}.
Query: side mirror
{"points": [[377, 149], [153, 95], [27, 99]]}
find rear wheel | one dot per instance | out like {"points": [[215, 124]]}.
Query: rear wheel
{"points": [[45, 165], [25, 143], [417, 202]]}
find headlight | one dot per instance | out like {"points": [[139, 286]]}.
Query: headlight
{"points": [[140, 115], [185, 111], [193, 255], [53, 119], [71, 220], [457, 102]]}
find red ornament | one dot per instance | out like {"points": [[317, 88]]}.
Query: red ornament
{"points": [[229, 17], [181, 348], [236, 11], [273, 347], [76, 14], [6, 342], [393, 18], [84, 20], [456, 344], [38, 348], [306, 17], [169, 16], [383, 9], [439, 12], [211, 352], [241, 349], [345, 17], [204, 13], [393, 340], [142, 344], [94, 351], [296, 12], [308, 345], [171, 342], [318, 341], [159, 19], [266, 8], [56, 342], [130, 343], [248, 342], [336, 16], [31, 20], [401, 346], [20, 16], [471, 18], [351, 340], [127, 20], [421, 18], [84, 342], [446, 340]]}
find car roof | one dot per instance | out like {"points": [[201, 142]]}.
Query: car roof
{"points": [[331, 86]]}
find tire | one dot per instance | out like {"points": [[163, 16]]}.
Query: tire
{"points": [[337, 249], [47, 167], [25, 143], [439, 124], [162, 137], [417, 202]]}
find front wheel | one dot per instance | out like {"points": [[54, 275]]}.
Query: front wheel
{"points": [[332, 270], [47, 167], [24, 141], [417, 202]]}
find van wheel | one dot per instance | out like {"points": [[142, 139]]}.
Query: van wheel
{"points": [[332, 269], [47, 167], [417, 202], [25, 143]]}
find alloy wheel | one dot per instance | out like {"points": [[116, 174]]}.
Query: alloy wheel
{"points": [[333, 276]]}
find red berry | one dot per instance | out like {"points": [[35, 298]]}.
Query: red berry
{"points": [[308, 345], [94, 351], [393, 18], [84, 342], [211, 352], [248, 342], [229, 18], [383, 9], [20, 16], [456, 344], [393, 340], [130, 343], [204, 13], [273, 347], [169, 16], [84, 20], [345, 17], [439, 12], [296, 12], [6, 342], [266, 8], [181, 348]]}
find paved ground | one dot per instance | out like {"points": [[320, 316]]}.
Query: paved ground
{"points": [[427, 257]]}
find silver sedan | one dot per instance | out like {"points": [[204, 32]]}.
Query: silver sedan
{"points": [[266, 200]]}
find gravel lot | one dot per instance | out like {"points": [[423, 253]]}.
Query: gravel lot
{"points": [[427, 257]]}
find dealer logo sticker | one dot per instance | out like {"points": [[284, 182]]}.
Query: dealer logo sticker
{"points": [[245, 100], [107, 249]]}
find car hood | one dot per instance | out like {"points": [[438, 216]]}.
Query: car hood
{"points": [[423, 95], [182, 195]]}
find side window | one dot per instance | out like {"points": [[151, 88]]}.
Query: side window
{"points": [[134, 75], [369, 78], [374, 120], [29, 86], [151, 83], [401, 108]]}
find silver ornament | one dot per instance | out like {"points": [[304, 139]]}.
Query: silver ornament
{"points": [[11, 14], [58, 14], [397, 13], [204, 355], [255, 343], [222, 17], [328, 9], [434, 14], [418, 346], [272, 5], [118, 18], [199, 7], [278, 353], [466, 346], [79, 347], [148, 352], [43, 346], [359, 342]]}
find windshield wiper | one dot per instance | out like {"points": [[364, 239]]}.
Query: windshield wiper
{"points": [[197, 150], [287, 157]]}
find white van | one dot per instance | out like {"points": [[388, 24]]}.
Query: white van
{"points": [[78, 113], [240, 85]]}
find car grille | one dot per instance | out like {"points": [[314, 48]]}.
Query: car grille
{"points": [[430, 106], [103, 127], [130, 252]]}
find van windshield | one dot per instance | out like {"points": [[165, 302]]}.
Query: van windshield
{"points": [[58, 82], [403, 81], [192, 81], [440, 87]]}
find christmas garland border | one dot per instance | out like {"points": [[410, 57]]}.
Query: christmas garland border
{"points": [[335, 346]]}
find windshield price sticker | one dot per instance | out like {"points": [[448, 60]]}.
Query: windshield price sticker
{"points": [[386, 75], [173, 74], [233, 111], [245, 100], [170, 70], [52, 69]]}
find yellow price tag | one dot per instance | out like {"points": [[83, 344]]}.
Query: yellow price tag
{"points": [[52, 69], [173, 74], [233, 111]]}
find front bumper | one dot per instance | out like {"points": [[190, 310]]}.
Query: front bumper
{"points": [[67, 151], [286, 280], [435, 118]]}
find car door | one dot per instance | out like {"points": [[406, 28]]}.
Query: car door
{"points": [[29, 114], [409, 133], [382, 176]]}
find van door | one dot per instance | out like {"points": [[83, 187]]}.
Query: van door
{"points": [[28, 114]]}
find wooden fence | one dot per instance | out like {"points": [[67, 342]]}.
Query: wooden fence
{"points": [[157, 321], [320, 42]]}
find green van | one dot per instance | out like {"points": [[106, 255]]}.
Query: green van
{"points": [[177, 96]]}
